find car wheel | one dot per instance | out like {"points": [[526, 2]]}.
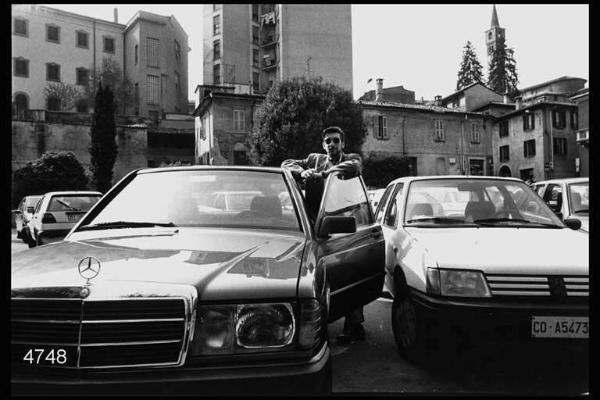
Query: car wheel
{"points": [[408, 327]]}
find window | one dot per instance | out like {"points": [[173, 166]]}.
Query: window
{"points": [[490, 36], [255, 12], [81, 39], [135, 54], [560, 146], [380, 126], [109, 44], [391, 215], [136, 95], [529, 148], [503, 128], [574, 120], [53, 103], [53, 72], [81, 106], [381, 205], [177, 83], [255, 58], [504, 153], [21, 103], [439, 130], [528, 121], [177, 51], [216, 74], [152, 47], [239, 120], [217, 7], [559, 119], [53, 33], [346, 197], [82, 76], [20, 26], [216, 25], [255, 35], [21, 67], [217, 49], [475, 132], [256, 81], [153, 89]]}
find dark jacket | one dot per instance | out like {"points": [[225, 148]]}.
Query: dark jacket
{"points": [[349, 164]]}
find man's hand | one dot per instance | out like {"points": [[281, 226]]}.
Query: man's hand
{"points": [[310, 174]]}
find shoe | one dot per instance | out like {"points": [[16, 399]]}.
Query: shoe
{"points": [[351, 334]]}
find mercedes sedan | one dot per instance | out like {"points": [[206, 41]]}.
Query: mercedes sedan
{"points": [[160, 289]]}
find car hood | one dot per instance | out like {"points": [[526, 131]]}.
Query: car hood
{"points": [[507, 250], [222, 264]]}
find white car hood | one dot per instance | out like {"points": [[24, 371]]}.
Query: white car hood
{"points": [[516, 251]]}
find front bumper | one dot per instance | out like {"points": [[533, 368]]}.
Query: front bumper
{"points": [[311, 376], [491, 319]]}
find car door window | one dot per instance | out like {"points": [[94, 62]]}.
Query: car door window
{"points": [[391, 215], [347, 197], [382, 203], [553, 197]]}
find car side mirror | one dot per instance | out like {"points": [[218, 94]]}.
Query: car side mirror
{"points": [[16, 211], [573, 223], [337, 224]]}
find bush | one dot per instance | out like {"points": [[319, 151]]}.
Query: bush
{"points": [[378, 172], [53, 171]]}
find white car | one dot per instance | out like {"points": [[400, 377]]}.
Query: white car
{"points": [[569, 198], [57, 212], [23, 215], [485, 273]]}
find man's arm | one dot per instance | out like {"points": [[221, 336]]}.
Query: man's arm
{"points": [[296, 167], [350, 167]]}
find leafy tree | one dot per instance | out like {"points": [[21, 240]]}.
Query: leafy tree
{"points": [[470, 68], [503, 76], [288, 124], [111, 75], [53, 171], [378, 172], [66, 94], [103, 150]]}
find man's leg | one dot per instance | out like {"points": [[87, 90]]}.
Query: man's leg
{"points": [[353, 329]]}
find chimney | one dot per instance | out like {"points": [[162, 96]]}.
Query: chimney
{"points": [[519, 103], [505, 98], [116, 13], [379, 90], [438, 100]]}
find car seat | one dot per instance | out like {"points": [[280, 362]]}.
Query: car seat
{"points": [[479, 210], [420, 210]]}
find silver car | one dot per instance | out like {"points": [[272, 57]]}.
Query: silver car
{"points": [[568, 198]]}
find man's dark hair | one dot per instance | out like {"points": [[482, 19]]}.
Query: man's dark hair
{"points": [[333, 129]]}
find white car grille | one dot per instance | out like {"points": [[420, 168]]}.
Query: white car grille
{"points": [[538, 285]]}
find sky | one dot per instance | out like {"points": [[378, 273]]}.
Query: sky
{"points": [[420, 46]]}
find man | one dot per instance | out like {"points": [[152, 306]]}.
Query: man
{"points": [[316, 167]]}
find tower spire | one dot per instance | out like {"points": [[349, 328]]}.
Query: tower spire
{"points": [[495, 23]]}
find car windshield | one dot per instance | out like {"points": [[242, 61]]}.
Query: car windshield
{"points": [[196, 198], [579, 197], [476, 202], [72, 202]]}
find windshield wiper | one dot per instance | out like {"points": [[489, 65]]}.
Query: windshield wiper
{"points": [[124, 224], [491, 221], [438, 219], [64, 203]]}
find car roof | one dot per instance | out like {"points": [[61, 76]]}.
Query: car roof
{"points": [[209, 167], [564, 180], [407, 179], [71, 192]]}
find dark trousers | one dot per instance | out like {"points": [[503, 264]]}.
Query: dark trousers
{"points": [[354, 317]]}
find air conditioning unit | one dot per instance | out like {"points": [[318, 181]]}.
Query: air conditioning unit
{"points": [[583, 136]]}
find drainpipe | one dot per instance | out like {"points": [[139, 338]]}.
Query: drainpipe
{"points": [[463, 169]]}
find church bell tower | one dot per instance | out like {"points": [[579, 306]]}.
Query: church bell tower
{"points": [[494, 35]]}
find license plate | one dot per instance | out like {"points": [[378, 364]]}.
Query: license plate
{"points": [[44, 355], [559, 327], [73, 217]]}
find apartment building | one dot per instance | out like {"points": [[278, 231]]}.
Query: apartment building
{"points": [[260, 44], [582, 99], [52, 45]]}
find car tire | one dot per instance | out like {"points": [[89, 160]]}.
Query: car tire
{"points": [[408, 326]]}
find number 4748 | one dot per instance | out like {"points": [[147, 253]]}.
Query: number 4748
{"points": [[37, 355]]}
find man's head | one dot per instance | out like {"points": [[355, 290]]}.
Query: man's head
{"points": [[333, 140]]}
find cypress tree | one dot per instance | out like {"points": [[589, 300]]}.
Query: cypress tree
{"points": [[103, 150]]}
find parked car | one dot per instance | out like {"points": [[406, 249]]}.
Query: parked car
{"points": [[23, 215], [506, 269], [374, 197], [569, 198], [56, 213], [151, 292]]}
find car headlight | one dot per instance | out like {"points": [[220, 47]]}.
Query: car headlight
{"points": [[242, 328], [457, 283]]}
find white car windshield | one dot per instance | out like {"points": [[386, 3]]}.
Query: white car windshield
{"points": [[489, 202], [217, 198]]}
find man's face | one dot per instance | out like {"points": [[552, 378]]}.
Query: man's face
{"points": [[332, 143]]}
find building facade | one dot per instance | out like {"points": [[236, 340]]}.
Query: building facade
{"points": [[54, 46], [260, 44], [582, 99]]}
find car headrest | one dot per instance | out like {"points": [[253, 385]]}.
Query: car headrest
{"points": [[480, 209], [420, 209], [267, 205]]}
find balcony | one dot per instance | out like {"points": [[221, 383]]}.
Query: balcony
{"points": [[583, 136], [268, 18], [269, 62], [269, 41]]}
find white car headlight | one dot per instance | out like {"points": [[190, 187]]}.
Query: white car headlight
{"points": [[463, 283]]}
